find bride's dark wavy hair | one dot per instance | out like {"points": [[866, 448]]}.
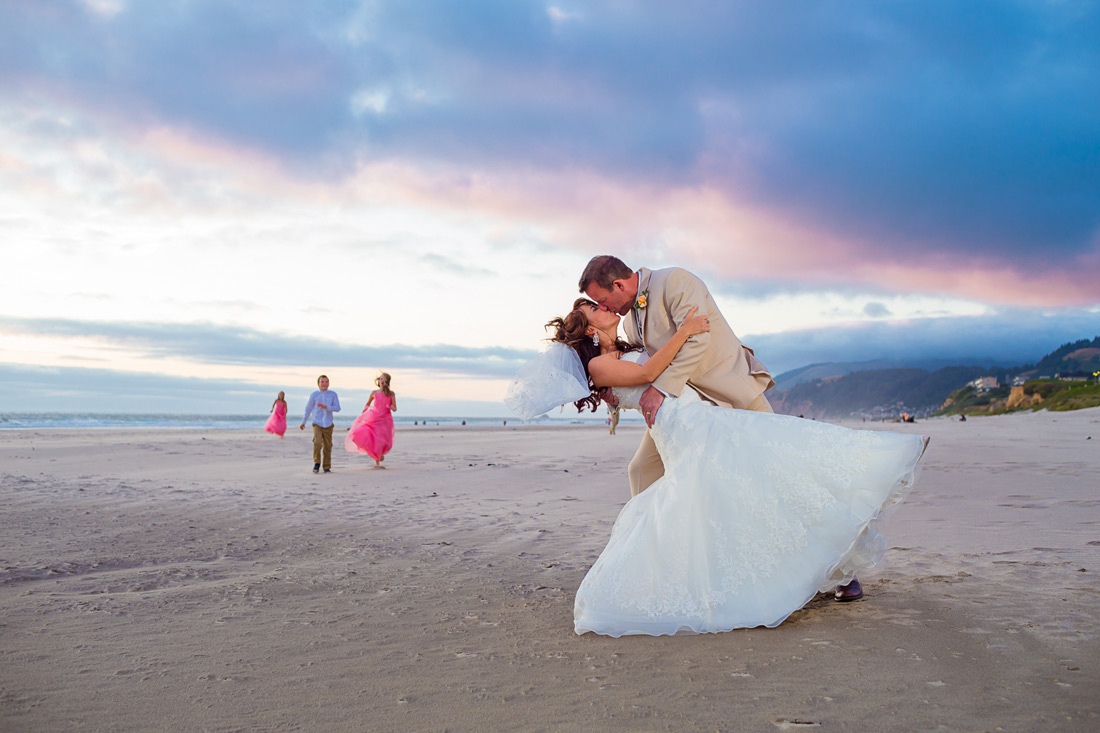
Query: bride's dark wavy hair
{"points": [[569, 330]]}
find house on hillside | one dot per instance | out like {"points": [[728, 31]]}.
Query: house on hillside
{"points": [[984, 384]]}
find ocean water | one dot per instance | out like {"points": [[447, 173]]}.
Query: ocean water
{"points": [[89, 420]]}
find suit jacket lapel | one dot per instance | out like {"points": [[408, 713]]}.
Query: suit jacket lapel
{"points": [[630, 325], [640, 313]]}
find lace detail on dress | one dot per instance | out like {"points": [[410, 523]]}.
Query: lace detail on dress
{"points": [[629, 397]]}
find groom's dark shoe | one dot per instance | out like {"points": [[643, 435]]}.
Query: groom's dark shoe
{"points": [[851, 592], [316, 467]]}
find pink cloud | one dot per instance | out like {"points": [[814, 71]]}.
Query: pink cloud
{"points": [[165, 168], [706, 228]]}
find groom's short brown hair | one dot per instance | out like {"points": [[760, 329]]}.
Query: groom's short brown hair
{"points": [[604, 270]]}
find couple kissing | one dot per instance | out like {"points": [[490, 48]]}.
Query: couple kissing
{"points": [[737, 516]]}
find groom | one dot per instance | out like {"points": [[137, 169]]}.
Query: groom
{"points": [[725, 372], [717, 365]]}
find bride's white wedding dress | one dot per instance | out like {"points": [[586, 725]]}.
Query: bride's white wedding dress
{"points": [[755, 513]]}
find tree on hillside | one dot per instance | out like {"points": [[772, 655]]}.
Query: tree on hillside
{"points": [[1076, 356]]}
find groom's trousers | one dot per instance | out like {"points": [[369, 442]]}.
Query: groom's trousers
{"points": [[646, 466]]}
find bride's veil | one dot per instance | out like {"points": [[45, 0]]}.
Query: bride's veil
{"points": [[554, 377]]}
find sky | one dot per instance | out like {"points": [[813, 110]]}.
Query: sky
{"points": [[203, 202]]}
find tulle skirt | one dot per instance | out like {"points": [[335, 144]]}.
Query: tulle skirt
{"points": [[276, 424], [371, 433], [755, 514]]}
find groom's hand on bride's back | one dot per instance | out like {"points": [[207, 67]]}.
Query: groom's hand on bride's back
{"points": [[608, 396], [650, 402]]}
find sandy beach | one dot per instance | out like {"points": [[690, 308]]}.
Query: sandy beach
{"points": [[208, 580]]}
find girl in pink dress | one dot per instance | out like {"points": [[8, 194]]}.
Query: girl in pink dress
{"points": [[276, 424], [372, 432]]}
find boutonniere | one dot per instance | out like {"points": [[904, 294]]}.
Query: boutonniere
{"points": [[640, 302]]}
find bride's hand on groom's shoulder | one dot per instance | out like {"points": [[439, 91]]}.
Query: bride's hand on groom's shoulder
{"points": [[694, 324]]}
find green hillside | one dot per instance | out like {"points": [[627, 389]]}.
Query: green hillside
{"points": [[876, 393], [1037, 394], [887, 393], [1080, 356]]}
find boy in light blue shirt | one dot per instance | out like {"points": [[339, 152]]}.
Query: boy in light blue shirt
{"points": [[322, 403]]}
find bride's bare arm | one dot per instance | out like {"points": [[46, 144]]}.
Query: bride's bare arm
{"points": [[608, 371]]}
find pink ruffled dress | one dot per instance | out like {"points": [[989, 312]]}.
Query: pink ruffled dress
{"points": [[372, 432], [276, 424]]}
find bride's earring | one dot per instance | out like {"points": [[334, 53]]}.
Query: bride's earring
{"points": [[596, 338]]}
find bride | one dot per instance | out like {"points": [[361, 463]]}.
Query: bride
{"points": [[755, 513]]}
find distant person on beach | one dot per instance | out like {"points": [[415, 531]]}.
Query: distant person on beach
{"points": [[372, 432], [754, 513], [276, 424], [322, 403], [613, 417]]}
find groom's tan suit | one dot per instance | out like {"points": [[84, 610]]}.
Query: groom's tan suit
{"points": [[716, 365]]}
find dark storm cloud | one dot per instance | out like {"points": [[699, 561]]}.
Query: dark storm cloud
{"points": [[968, 130], [36, 389], [876, 310], [217, 344], [1010, 338]]}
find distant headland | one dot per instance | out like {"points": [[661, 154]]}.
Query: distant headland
{"points": [[1065, 379]]}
